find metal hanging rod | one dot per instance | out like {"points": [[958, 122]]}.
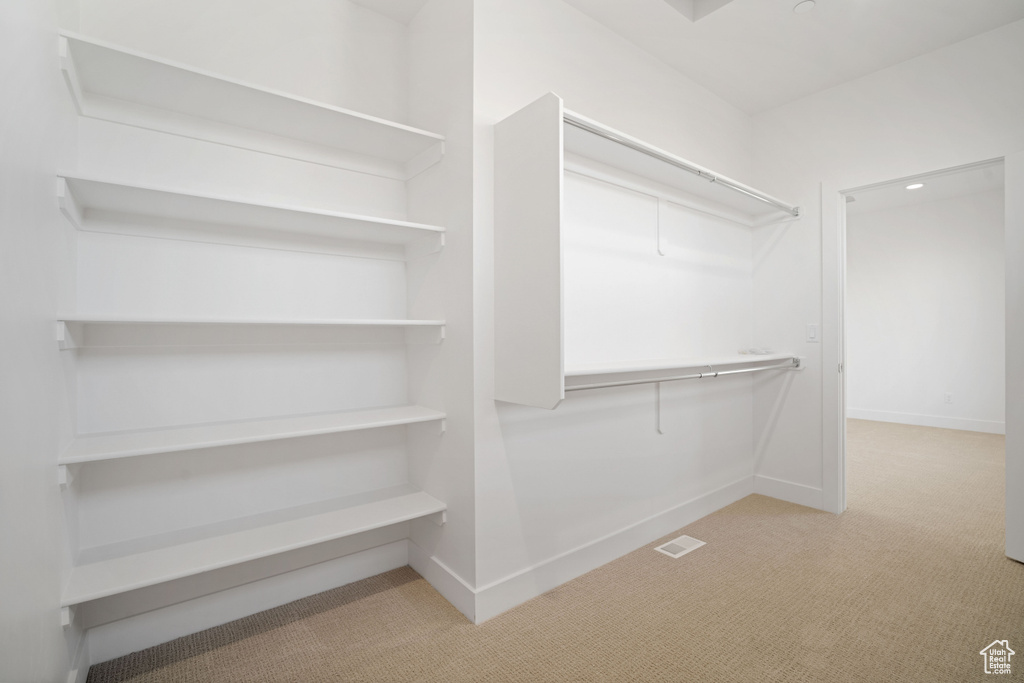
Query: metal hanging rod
{"points": [[590, 127], [789, 364]]}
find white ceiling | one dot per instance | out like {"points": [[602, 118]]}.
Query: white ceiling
{"points": [[758, 54], [957, 182], [399, 10]]}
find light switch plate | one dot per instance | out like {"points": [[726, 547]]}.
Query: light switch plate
{"points": [[812, 334]]}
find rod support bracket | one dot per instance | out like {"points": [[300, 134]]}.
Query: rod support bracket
{"points": [[64, 476]]}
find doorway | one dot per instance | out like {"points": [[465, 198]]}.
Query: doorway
{"points": [[834, 356], [925, 300]]}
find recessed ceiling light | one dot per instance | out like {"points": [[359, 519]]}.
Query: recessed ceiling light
{"points": [[915, 186], [803, 7]]}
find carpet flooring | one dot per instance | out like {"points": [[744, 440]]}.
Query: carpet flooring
{"points": [[908, 585]]}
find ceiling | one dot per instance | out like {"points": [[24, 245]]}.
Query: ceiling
{"points": [[399, 10], [957, 182], [758, 54]]}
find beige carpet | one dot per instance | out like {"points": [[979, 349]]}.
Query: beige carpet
{"points": [[907, 585]]}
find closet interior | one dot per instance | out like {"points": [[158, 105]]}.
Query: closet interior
{"points": [[617, 263], [237, 354]]}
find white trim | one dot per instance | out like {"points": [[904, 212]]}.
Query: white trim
{"points": [[1014, 230], [833, 241], [961, 423], [515, 589], [80, 663], [833, 431], [445, 581], [789, 491]]}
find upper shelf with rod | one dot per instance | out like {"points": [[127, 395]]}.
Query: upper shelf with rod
{"points": [[114, 83], [534, 148], [587, 138]]}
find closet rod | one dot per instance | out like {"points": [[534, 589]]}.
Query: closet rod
{"points": [[582, 124], [790, 364]]}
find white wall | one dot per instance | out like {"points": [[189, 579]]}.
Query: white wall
{"points": [[954, 106], [327, 50], [925, 314], [561, 492], [643, 281], [441, 99], [36, 264]]}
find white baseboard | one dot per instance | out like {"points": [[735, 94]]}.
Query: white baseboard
{"points": [[515, 589], [135, 633], [450, 585], [961, 423], [790, 492]]}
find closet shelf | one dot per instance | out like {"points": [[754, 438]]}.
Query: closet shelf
{"points": [[103, 206], [722, 362], [117, 84], [605, 375], [129, 320], [82, 330], [250, 540], [533, 150], [111, 446], [713, 192]]}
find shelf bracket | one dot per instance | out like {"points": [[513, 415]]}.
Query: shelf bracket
{"points": [[425, 246], [425, 335], [444, 425], [67, 617], [70, 72], [657, 407], [67, 203], [712, 369], [64, 336], [64, 476], [441, 518], [424, 160]]}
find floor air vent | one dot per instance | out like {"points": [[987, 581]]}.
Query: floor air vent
{"points": [[679, 546]]}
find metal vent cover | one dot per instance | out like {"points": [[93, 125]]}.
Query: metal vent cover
{"points": [[678, 547]]}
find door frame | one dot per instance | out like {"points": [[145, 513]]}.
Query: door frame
{"points": [[833, 339]]}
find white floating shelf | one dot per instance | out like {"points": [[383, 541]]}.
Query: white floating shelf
{"points": [[110, 446], [129, 320], [74, 331], [127, 572], [117, 84], [104, 206]]}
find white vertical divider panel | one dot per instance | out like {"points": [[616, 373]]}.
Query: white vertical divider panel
{"points": [[833, 388], [529, 357], [1014, 194]]}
